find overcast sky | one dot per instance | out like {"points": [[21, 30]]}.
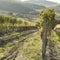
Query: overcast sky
{"points": [[58, 1]]}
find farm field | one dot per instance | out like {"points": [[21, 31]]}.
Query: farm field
{"points": [[25, 40], [24, 45], [29, 30]]}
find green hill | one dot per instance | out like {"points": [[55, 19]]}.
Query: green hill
{"points": [[44, 3], [57, 8], [19, 7]]}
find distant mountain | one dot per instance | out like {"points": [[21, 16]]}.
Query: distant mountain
{"points": [[57, 8], [44, 3], [19, 7], [27, 9]]}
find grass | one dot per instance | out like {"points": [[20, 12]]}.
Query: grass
{"points": [[31, 49], [55, 36], [7, 47], [9, 44], [57, 26]]}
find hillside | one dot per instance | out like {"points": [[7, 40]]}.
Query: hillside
{"points": [[28, 34], [44, 3], [19, 7], [57, 8]]}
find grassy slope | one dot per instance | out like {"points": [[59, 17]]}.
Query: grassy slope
{"points": [[32, 47]]}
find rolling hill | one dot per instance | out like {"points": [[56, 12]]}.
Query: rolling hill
{"points": [[57, 8], [44, 3], [21, 7], [28, 9]]}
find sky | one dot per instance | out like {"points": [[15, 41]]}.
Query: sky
{"points": [[22, 0], [58, 1]]}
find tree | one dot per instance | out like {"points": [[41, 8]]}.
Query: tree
{"points": [[47, 21]]}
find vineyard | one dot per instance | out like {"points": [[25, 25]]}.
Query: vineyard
{"points": [[24, 40]]}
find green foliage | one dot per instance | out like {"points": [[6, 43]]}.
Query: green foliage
{"points": [[38, 24], [11, 21], [49, 15], [1, 19], [19, 21], [26, 23], [47, 22], [8, 23]]}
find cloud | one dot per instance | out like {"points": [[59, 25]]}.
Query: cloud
{"points": [[58, 1]]}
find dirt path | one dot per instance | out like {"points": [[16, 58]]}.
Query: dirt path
{"points": [[13, 52]]}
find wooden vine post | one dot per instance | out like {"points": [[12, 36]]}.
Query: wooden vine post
{"points": [[47, 21], [44, 39]]}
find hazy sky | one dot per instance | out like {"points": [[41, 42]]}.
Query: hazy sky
{"points": [[58, 1]]}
